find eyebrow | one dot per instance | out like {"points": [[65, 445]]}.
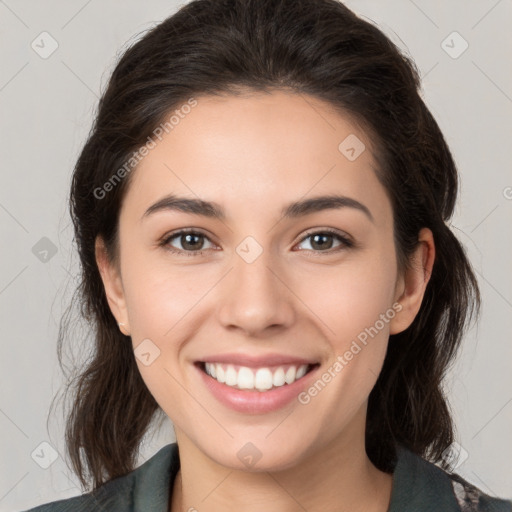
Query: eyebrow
{"points": [[293, 210]]}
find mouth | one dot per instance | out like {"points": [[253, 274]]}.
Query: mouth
{"points": [[262, 378]]}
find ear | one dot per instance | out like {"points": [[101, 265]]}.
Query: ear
{"points": [[113, 285], [412, 284]]}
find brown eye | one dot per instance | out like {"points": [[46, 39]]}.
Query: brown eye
{"points": [[322, 241], [191, 242]]}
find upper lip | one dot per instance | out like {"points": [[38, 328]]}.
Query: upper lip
{"points": [[257, 361]]}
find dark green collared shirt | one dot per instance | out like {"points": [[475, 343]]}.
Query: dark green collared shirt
{"points": [[418, 486]]}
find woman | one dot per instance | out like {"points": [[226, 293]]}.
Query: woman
{"points": [[261, 215]]}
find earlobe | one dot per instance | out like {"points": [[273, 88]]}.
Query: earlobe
{"points": [[112, 283], [414, 281]]}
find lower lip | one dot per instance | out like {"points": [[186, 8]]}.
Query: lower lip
{"points": [[256, 402]]}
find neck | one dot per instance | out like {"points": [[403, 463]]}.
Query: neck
{"points": [[336, 477]]}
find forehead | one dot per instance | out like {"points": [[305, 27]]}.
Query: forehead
{"points": [[257, 149]]}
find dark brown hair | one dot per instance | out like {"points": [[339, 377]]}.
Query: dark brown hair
{"points": [[314, 47]]}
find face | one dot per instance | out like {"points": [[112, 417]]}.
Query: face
{"points": [[265, 292]]}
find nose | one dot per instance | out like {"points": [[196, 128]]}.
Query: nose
{"points": [[256, 298]]}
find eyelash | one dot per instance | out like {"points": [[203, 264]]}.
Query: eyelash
{"points": [[346, 243]]}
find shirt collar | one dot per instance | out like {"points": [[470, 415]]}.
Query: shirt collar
{"points": [[418, 485]]}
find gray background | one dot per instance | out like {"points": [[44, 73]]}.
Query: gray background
{"points": [[46, 112]]}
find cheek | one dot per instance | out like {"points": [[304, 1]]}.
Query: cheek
{"points": [[344, 297], [159, 295], [351, 297], [355, 306], [355, 310]]}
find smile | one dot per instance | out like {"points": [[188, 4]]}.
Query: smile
{"points": [[257, 385], [261, 379]]}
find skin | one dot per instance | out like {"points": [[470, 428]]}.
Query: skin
{"points": [[252, 155]]}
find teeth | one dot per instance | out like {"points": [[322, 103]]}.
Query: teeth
{"points": [[301, 372], [245, 378], [290, 375], [261, 379], [278, 377], [231, 376]]}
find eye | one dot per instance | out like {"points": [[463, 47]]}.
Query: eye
{"points": [[192, 242], [189, 240], [322, 240]]}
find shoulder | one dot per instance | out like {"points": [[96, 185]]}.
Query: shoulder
{"points": [[420, 485], [470, 498], [146, 487]]}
